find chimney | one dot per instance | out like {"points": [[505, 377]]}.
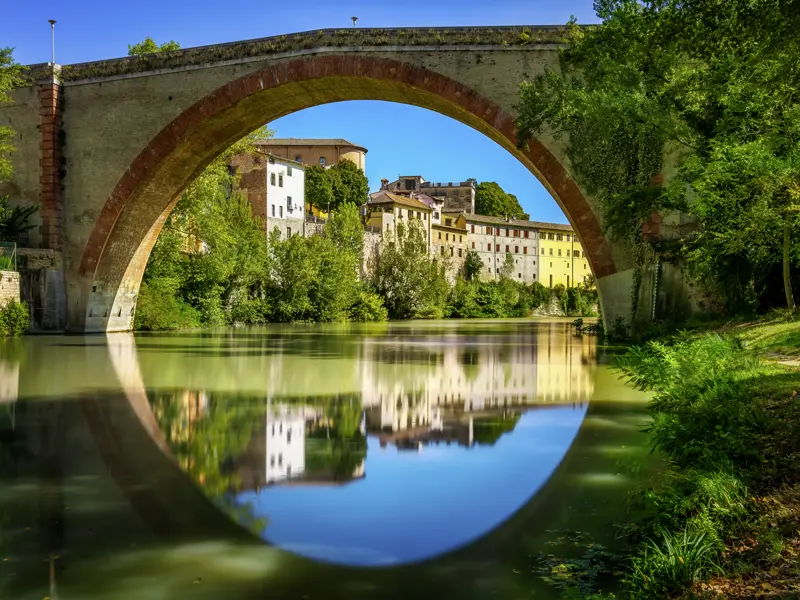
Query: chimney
{"points": [[384, 184]]}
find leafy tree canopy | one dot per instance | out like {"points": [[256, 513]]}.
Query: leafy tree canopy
{"points": [[10, 77], [712, 86], [492, 201], [148, 46]]}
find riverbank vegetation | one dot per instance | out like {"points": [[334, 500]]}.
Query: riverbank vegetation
{"points": [[14, 319]]}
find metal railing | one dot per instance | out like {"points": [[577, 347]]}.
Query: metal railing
{"points": [[8, 256]]}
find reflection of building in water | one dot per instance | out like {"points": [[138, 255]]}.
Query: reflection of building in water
{"points": [[414, 391], [190, 405], [9, 381], [297, 445], [285, 442]]}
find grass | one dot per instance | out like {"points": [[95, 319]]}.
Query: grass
{"points": [[723, 519]]}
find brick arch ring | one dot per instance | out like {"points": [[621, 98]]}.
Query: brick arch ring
{"points": [[128, 225]]}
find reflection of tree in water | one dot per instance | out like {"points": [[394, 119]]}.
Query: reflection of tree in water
{"points": [[469, 360], [336, 448], [486, 432], [206, 433]]}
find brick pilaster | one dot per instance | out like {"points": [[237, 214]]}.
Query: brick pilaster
{"points": [[51, 200]]}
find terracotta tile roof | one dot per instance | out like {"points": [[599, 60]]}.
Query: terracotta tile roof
{"points": [[516, 222], [309, 142], [384, 197]]}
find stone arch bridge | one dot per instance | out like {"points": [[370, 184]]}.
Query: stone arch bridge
{"points": [[105, 148]]}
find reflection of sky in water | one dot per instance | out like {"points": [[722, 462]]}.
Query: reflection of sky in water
{"points": [[413, 506]]}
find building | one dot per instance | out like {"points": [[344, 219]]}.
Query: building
{"points": [[285, 196], [385, 211], [562, 259], [494, 238], [449, 240], [322, 152], [459, 196]]}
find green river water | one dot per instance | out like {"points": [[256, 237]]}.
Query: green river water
{"points": [[400, 460]]}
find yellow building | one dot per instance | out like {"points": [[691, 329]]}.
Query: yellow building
{"points": [[449, 239], [386, 210], [562, 259]]}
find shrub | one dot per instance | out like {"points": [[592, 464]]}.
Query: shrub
{"points": [[368, 307], [158, 308], [14, 319]]}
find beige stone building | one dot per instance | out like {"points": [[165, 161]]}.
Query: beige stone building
{"points": [[493, 238], [322, 152], [457, 196], [385, 211]]}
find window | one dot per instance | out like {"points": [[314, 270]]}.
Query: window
{"points": [[321, 161], [289, 435], [551, 252], [559, 237], [440, 235], [280, 179], [472, 229], [519, 275], [272, 460], [488, 231], [272, 178], [387, 227], [542, 251], [473, 245], [460, 239], [280, 210], [516, 233], [435, 215], [451, 251], [566, 237], [578, 253], [489, 247], [442, 248], [459, 253], [273, 210], [280, 459], [298, 159], [448, 222], [424, 217], [526, 233], [497, 231], [507, 250], [550, 236], [446, 237], [534, 275], [559, 251], [288, 203], [288, 171], [497, 247], [288, 232], [516, 249], [524, 249], [507, 234]]}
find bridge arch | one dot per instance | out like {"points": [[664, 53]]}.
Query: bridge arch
{"points": [[116, 253]]}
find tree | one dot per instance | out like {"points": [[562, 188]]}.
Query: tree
{"points": [[319, 187], [507, 271], [14, 221], [10, 77], [412, 283], [350, 185], [473, 265], [148, 46], [492, 201], [707, 85]]}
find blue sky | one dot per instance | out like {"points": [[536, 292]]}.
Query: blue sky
{"points": [[93, 30]]}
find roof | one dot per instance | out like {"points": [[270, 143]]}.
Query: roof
{"points": [[517, 222], [309, 142], [384, 197], [287, 161]]}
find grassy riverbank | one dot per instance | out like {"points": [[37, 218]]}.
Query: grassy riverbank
{"points": [[723, 518]]}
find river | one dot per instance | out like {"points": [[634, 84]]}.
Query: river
{"points": [[444, 459]]}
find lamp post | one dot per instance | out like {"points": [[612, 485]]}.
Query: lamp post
{"points": [[53, 39], [354, 19]]}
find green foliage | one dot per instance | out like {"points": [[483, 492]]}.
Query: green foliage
{"points": [[10, 77], [677, 560], [709, 86], [319, 187], [350, 185], [368, 306], [507, 270], [158, 308], [492, 201], [473, 265], [148, 46], [14, 319], [14, 221], [413, 284]]}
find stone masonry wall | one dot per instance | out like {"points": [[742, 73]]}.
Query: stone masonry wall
{"points": [[9, 287]]}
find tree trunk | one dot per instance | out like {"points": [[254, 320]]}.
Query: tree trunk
{"points": [[787, 280]]}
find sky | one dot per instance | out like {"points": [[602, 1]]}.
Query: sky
{"points": [[89, 30]]}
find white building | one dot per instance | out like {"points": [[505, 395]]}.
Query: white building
{"points": [[493, 238], [286, 196]]}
